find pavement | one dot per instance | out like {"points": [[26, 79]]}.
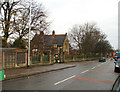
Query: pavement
{"points": [[32, 70]]}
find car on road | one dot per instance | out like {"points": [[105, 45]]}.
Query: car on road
{"points": [[117, 65], [116, 85], [102, 59]]}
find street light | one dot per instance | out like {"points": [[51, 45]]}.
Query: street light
{"points": [[28, 62], [29, 36]]}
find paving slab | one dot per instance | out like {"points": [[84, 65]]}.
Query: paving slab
{"points": [[23, 72]]}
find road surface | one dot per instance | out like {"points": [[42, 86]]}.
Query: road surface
{"points": [[89, 75]]}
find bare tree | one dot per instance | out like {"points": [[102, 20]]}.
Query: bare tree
{"points": [[38, 19], [14, 19], [91, 38], [103, 47], [85, 37], [6, 17], [75, 36]]}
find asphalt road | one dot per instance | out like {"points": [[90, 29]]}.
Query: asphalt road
{"points": [[90, 75]]}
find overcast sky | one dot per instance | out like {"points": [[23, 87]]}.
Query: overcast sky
{"points": [[65, 13]]}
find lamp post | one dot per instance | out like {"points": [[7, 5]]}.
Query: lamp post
{"points": [[28, 55], [29, 24], [29, 36]]}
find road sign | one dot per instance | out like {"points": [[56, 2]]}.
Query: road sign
{"points": [[1, 75]]}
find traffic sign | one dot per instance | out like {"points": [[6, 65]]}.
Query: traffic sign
{"points": [[1, 75]]}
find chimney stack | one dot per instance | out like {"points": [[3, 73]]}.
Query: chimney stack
{"points": [[53, 33], [41, 33]]}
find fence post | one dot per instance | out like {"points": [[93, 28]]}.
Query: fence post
{"points": [[26, 58], [30, 60], [63, 57], [15, 63], [50, 58], [61, 60], [73, 58], [83, 57], [3, 59], [41, 59], [53, 58]]}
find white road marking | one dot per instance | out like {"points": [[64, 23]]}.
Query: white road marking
{"points": [[93, 67], [100, 64], [64, 80], [80, 73], [104, 62], [85, 71]]}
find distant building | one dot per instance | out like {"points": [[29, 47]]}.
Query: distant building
{"points": [[50, 44]]}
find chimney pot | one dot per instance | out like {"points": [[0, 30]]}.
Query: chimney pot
{"points": [[53, 33]]}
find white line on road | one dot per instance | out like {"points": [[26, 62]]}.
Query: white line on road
{"points": [[104, 63], [80, 73], [93, 67], [85, 71], [98, 65], [64, 80]]}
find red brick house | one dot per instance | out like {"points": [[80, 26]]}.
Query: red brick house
{"points": [[50, 44]]}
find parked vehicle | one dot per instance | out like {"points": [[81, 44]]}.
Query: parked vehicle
{"points": [[116, 85], [117, 65], [117, 56], [102, 59]]}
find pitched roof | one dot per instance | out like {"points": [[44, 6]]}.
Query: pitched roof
{"points": [[50, 39], [60, 39]]}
